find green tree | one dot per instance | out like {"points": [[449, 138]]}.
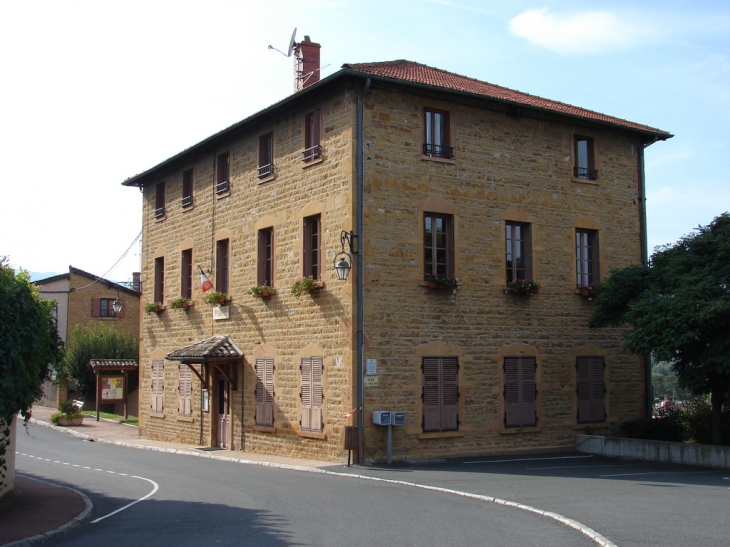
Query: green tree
{"points": [[95, 341], [679, 308], [29, 342]]}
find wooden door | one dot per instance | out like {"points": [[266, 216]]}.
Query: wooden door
{"points": [[223, 409]]}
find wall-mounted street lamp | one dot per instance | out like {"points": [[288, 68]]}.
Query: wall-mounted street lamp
{"points": [[344, 264], [117, 304]]}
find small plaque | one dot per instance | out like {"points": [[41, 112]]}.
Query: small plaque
{"points": [[370, 381], [221, 312], [371, 367]]}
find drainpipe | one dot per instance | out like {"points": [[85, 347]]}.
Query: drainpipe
{"points": [[645, 262], [360, 277]]}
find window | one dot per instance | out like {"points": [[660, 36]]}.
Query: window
{"points": [[265, 392], [266, 155], [312, 148], [585, 167], [518, 251], [160, 200], [186, 274], [222, 176], [311, 394], [520, 392], [265, 267], [159, 279], [438, 244], [586, 256], [185, 391], [187, 189], [440, 394], [105, 307], [311, 247], [158, 386], [591, 389], [221, 266], [437, 141]]}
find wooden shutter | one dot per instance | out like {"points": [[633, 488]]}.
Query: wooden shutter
{"points": [[158, 385], [440, 394], [449, 394], [591, 389], [317, 396], [185, 389], [520, 401], [306, 394], [430, 396], [95, 307], [222, 266], [315, 128], [265, 391]]}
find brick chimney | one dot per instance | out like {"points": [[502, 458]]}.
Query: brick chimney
{"points": [[306, 64], [136, 276]]}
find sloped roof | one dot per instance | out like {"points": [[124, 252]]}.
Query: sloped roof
{"points": [[72, 270], [219, 346], [113, 364], [408, 71]]}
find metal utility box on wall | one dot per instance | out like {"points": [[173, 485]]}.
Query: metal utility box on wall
{"points": [[381, 417], [398, 418]]}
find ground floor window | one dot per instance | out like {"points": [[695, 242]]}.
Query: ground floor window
{"points": [[311, 394], [591, 389], [264, 391], [520, 391], [440, 394], [158, 386], [185, 391]]}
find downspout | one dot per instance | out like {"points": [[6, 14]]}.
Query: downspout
{"points": [[360, 277]]}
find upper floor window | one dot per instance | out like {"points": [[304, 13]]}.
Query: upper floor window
{"points": [[186, 274], [586, 256], [312, 145], [437, 138], [159, 279], [585, 165], [160, 200], [311, 247], [265, 266], [222, 262], [222, 176], [518, 251], [266, 155], [438, 244], [187, 188], [106, 308]]}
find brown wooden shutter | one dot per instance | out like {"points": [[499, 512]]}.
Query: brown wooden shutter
{"points": [[520, 397], [529, 396], [265, 391], [315, 128], [317, 396], [430, 396], [306, 394], [449, 394], [527, 234], [598, 405], [95, 307], [511, 392], [591, 389]]}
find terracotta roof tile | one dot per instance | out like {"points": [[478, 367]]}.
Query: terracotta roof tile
{"points": [[219, 346], [417, 73]]}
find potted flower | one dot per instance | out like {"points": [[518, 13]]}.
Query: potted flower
{"points": [[443, 282], [589, 290], [154, 307], [261, 290], [305, 284], [215, 297], [179, 303], [522, 287], [69, 414]]}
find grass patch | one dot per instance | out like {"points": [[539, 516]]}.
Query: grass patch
{"points": [[131, 420]]}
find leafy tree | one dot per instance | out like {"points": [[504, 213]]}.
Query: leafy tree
{"points": [[679, 308], [96, 341], [29, 342], [666, 382]]}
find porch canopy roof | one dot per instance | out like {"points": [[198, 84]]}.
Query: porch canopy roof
{"points": [[98, 365], [215, 348]]}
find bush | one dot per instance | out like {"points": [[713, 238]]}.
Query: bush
{"points": [[667, 428], [697, 417]]}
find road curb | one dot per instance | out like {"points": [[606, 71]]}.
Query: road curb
{"points": [[73, 523]]}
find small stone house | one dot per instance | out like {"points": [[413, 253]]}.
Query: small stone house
{"points": [[473, 217]]}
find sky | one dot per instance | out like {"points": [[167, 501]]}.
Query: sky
{"points": [[95, 92]]}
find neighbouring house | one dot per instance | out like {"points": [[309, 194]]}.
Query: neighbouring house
{"points": [[83, 298], [469, 192]]}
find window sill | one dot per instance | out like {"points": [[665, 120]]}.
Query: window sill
{"points": [[312, 435], [441, 435], [264, 429], [311, 162], [222, 195], [438, 159], [188, 419], [186, 208], [160, 416], [516, 430], [267, 178], [594, 425], [161, 219], [579, 180]]}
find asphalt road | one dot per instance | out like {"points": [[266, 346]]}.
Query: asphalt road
{"points": [[207, 502]]}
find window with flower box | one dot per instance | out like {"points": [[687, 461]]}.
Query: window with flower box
{"points": [[518, 251], [586, 257], [438, 244]]}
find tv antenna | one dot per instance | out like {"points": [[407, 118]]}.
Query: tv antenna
{"points": [[292, 45]]}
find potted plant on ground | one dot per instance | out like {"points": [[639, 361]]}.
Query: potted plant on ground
{"points": [[305, 284], [261, 290], [70, 414], [181, 303], [522, 287], [215, 297], [154, 307]]}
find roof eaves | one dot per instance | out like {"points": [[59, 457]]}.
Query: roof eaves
{"points": [[108, 283]]}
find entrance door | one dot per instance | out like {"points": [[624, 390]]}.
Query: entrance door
{"points": [[224, 413]]}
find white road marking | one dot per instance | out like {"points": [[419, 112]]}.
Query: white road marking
{"points": [[574, 467], [533, 459], [657, 473]]}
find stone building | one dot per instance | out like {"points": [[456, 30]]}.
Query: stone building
{"points": [[469, 185], [82, 299]]}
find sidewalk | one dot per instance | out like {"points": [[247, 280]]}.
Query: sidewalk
{"points": [[19, 512]]}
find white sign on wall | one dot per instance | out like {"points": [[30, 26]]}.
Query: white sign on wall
{"points": [[221, 312], [371, 367]]}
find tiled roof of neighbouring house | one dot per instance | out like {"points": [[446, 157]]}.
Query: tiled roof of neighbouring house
{"points": [[219, 346], [408, 71]]}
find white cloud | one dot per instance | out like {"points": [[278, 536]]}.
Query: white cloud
{"points": [[587, 32]]}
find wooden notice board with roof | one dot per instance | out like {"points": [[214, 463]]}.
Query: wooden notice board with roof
{"points": [[111, 381]]}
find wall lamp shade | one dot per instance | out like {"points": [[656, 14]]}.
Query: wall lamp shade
{"points": [[117, 305], [342, 267]]}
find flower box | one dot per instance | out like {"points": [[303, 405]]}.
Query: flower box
{"points": [[522, 287]]}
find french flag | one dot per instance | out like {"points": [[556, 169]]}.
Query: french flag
{"points": [[205, 283]]}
